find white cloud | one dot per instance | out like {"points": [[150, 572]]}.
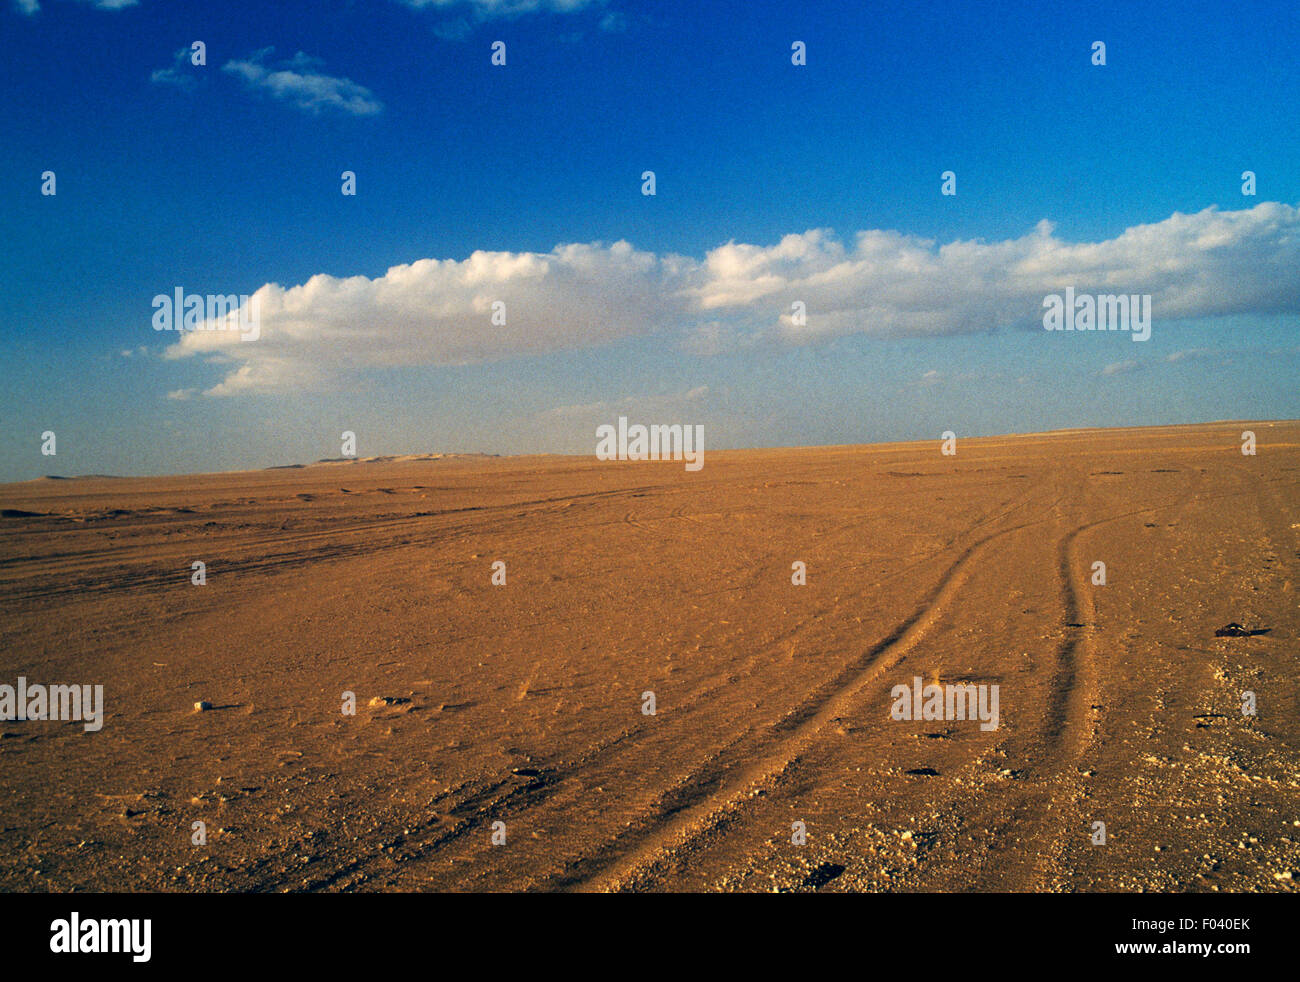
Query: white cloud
{"points": [[1188, 353], [661, 406], [30, 7], [1199, 265], [485, 9], [299, 81], [176, 73], [936, 377], [1120, 368], [464, 16], [584, 409], [439, 312]]}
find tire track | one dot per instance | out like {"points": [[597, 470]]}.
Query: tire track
{"points": [[469, 809], [314, 545], [708, 796], [1071, 719], [507, 799], [714, 793]]}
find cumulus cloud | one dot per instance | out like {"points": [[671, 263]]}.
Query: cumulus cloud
{"points": [[1206, 264], [439, 312], [300, 81]]}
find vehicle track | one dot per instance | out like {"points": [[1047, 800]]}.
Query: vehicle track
{"points": [[703, 799], [271, 552], [1072, 719]]}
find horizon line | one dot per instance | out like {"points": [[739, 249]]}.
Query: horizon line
{"points": [[434, 455]]}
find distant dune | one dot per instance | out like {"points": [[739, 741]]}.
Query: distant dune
{"points": [[78, 477], [402, 458]]}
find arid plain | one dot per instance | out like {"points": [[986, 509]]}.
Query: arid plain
{"points": [[522, 703]]}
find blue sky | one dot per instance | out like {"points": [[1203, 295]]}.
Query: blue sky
{"points": [[818, 183]]}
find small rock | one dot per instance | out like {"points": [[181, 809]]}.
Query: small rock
{"points": [[202, 706], [1235, 630]]}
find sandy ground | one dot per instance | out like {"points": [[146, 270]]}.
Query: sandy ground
{"points": [[523, 704]]}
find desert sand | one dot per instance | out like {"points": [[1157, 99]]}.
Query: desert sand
{"points": [[523, 703]]}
